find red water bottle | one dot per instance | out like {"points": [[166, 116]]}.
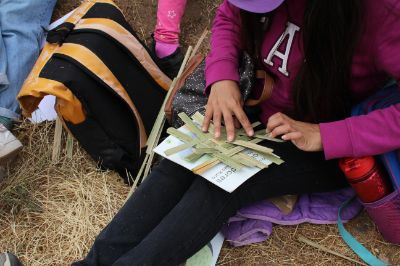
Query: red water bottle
{"points": [[366, 178]]}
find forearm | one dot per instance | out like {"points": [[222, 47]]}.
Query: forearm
{"points": [[372, 134], [222, 61]]}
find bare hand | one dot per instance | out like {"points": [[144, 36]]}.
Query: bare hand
{"points": [[305, 136], [225, 101]]}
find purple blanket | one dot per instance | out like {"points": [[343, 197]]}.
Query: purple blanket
{"points": [[254, 223]]}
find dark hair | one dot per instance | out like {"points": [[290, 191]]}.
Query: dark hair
{"points": [[330, 34], [253, 29]]}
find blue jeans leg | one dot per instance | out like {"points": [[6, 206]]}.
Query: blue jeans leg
{"points": [[3, 64], [22, 28]]}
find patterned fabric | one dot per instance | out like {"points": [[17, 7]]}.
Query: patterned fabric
{"points": [[386, 212], [169, 15], [191, 97]]}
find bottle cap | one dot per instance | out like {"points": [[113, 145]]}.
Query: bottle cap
{"points": [[355, 168]]}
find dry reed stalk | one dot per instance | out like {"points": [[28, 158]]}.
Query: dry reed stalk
{"points": [[320, 247], [199, 43], [50, 213], [69, 145], [57, 141], [155, 133]]}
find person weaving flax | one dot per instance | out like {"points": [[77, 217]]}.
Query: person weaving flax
{"points": [[324, 57]]}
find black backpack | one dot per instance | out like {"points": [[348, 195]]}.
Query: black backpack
{"points": [[109, 89]]}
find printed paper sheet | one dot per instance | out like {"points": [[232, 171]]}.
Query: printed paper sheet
{"points": [[221, 175]]}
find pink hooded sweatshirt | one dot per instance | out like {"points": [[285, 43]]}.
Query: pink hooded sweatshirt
{"points": [[377, 57]]}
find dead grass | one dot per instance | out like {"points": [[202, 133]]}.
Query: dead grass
{"points": [[51, 213]]}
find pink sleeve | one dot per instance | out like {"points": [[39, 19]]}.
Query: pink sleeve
{"points": [[223, 60], [379, 131], [372, 134]]}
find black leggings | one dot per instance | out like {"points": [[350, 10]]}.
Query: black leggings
{"points": [[174, 212]]}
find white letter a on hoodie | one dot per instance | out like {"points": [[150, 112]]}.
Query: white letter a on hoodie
{"points": [[290, 31]]}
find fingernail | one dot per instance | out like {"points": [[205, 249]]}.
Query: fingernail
{"points": [[284, 137], [250, 133], [230, 138]]}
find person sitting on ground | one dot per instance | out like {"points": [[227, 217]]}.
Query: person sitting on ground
{"points": [[9, 259], [166, 46], [325, 56], [22, 25]]}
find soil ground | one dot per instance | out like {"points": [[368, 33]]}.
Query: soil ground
{"points": [[51, 212]]}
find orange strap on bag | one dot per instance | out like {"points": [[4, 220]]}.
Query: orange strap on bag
{"points": [[267, 89]]}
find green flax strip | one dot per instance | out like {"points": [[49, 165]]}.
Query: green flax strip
{"points": [[179, 134], [192, 126], [180, 148], [253, 146]]}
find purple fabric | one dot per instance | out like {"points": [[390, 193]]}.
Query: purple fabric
{"points": [[376, 57], [257, 6], [254, 223], [386, 215]]}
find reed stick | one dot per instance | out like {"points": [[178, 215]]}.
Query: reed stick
{"points": [[322, 248], [57, 141], [158, 126], [199, 43], [70, 145]]}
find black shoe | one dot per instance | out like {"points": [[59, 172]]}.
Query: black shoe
{"points": [[9, 259], [171, 64]]}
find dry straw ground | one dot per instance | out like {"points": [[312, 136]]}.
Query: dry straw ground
{"points": [[50, 213]]}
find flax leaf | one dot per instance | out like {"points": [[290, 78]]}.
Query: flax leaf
{"points": [[261, 134], [228, 161], [206, 165], [179, 134], [204, 150], [194, 156], [273, 158], [253, 146], [269, 138], [192, 126], [179, 148], [245, 157]]}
